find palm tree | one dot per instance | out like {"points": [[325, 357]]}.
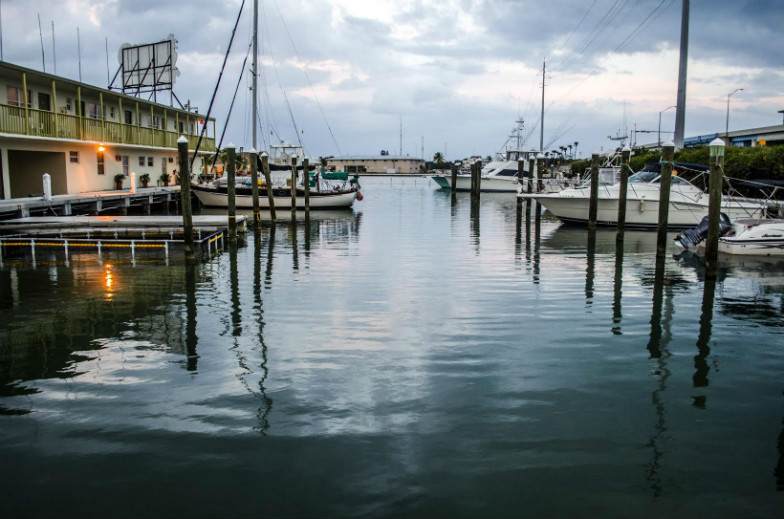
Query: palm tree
{"points": [[438, 158]]}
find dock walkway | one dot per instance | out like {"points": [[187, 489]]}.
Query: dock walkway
{"points": [[92, 202]]}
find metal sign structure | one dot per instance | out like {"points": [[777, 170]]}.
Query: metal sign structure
{"points": [[147, 68]]}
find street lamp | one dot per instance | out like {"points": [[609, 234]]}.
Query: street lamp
{"points": [[668, 108], [727, 124]]}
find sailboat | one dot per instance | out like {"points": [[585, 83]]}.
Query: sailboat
{"points": [[326, 190]]}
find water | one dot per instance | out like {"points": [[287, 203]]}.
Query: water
{"points": [[412, 358]]}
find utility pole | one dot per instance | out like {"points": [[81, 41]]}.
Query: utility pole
{"points": [[680, 111]]}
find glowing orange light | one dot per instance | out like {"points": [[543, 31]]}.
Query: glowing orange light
{"points": [[101, 147], [108, 276]]}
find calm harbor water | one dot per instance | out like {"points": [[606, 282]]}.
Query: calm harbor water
{"points": [[410, 358]]}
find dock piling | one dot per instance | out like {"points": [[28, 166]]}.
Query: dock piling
{"points": [[714, 206], [664, 198], [593, 203], [254, 187], [268, 179], [293, 188], [231, 188], [306, 184], [623, 193], [185, 195]]}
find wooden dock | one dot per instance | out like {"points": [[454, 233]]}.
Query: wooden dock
{"points": [[90, 203]]}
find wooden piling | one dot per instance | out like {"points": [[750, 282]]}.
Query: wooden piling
{"points": [[254, 187], [623, 193], [185, 196], [714, 206], [306, 183], [664, 199], [231, 189], [268, 179], [293, 187], [454, 180], [593, 203]]}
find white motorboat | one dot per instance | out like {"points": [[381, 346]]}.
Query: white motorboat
{"points": [[688, 203], [745, 236], [754, 237], [497, 176]]}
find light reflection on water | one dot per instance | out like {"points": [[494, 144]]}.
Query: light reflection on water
{"points": [[412, 357]]}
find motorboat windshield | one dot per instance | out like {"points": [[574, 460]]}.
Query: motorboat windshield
{"points": [[654, 177]]}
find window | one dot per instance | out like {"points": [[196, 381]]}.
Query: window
{"points": [[15, 96], [111, 112], [68, 103], [181, 127], [73, 157], [141, 160], [171, 159], [99, 161], [128, 117], [43, 102], [92, 110], [126, 165], [149, 161], [156, 121]]}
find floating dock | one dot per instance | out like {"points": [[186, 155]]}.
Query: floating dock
{"points": [[132, 235]]}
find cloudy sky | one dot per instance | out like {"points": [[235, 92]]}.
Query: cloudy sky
{"points": [[455, 73]]}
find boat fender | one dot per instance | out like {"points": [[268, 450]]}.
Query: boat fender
{"points": [[642, 205], [359, 196]]}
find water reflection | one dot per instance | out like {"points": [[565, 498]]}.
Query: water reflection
{"points": [[659, 338], [191, 339], [617, 291], [266, 402], [701, 368], [590, 265]]}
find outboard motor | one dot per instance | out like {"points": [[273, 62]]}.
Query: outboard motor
{"points": [[692, 237]]}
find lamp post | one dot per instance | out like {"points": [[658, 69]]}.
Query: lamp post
{"points": [[727, 123], [659, 137]]}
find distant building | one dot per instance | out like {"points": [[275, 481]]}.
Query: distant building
{"points": [[84, 135], [377, 164], [764, 136]]}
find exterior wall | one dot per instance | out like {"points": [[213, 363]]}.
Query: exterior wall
{"points": [[82, 176], [406, 165]]}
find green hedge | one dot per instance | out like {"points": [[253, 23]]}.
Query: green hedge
{"points": [[756, 162]]}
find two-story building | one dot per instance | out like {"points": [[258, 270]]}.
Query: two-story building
{"points": [[83, 136]]}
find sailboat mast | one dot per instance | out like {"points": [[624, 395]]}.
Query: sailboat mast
{"points": [[541, 119], [254, 66]]}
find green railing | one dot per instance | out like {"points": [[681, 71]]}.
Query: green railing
{"points": [[42, 123]]}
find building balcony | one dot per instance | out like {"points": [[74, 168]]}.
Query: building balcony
{"points": [[41, 123]]}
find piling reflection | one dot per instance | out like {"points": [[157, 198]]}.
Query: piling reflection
{"points": [[191, 339], [659, 339], [701, 367], [617, 292], [590, 265], [537, 242], [475, 223], [266, 402]]}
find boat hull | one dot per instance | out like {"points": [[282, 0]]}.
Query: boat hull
{"points": [[755, 238], [215, 197], [643, 213], [487, 184]]}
